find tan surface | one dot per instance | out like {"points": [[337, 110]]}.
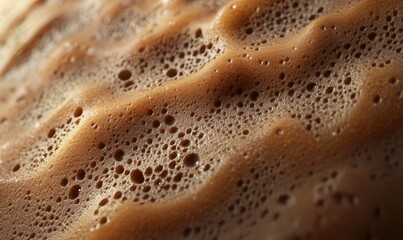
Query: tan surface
{"points": [[201, 119]]}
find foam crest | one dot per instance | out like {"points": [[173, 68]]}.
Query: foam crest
{"points": [[191, 119]]}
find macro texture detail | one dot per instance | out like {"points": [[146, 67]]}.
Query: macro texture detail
{"points": [[196, 119]]}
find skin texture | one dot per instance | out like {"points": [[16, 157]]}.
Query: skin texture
{"points": [[201, 119]]}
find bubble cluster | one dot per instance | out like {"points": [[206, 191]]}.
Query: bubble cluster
{"points": [[279, 19], [201, 119]]}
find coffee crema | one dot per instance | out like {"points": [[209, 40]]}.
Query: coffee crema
{"points": [[194, 119]]}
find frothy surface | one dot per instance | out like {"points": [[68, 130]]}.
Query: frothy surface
{"points": [[193, 119]]}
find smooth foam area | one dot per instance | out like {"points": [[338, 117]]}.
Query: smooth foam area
{"points": [[194, 119]]}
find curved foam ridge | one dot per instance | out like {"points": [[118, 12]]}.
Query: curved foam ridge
{"points": [[193, 119]]}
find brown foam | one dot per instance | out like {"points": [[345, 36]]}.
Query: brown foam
{"points": [[201, 119]]}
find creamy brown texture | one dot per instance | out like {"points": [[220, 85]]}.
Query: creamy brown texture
{"points": [[193, 119]]}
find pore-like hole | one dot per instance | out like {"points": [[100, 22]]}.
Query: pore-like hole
{"points": [[125, 75]]}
